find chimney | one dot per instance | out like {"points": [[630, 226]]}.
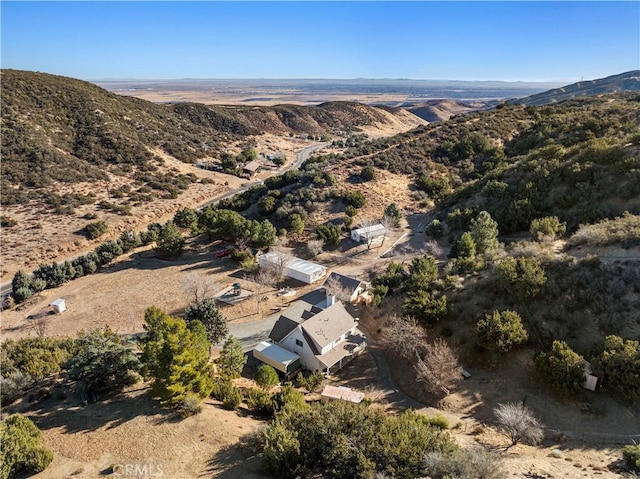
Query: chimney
{"points": [[331, 299]]}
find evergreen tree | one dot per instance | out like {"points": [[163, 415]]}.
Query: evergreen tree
{"points": [[232, 359], [484, 231], [501, 331], [170, 241], [103, 363], [266, 377], [208, 313], [562, 367], [176, 357]]}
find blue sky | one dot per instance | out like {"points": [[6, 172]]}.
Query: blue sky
{"points": [[529, 41]]}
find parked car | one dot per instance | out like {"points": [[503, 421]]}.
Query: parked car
{"points": [[222, 253]]}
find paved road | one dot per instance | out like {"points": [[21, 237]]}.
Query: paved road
{"points": [[301, 157], [252, 332]]}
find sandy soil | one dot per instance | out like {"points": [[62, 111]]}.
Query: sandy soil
{"points": [[141, 439]]}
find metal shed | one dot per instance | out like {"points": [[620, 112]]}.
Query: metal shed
{"points": [[59, 305], [295, 268]]}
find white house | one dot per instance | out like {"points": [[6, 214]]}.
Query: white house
{"points": [[348, 285], [295, 268], [324, 339], [368, 233]]}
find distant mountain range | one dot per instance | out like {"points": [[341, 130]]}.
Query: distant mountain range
{"points": [[629, 81]]}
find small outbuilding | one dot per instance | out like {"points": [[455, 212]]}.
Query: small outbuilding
{"points": [[251, 168], [368, 233], [59, 306], [341, 392]]}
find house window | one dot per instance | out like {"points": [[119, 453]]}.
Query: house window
{"points": [[299, 343]]}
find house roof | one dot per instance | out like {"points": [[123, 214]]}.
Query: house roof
{"points": [[343, 349], [328, 325], [371, 231], [345, 282], [304, 266], [282, 328], [276, 353], [251, 166]]}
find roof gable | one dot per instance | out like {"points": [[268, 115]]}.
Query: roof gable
{"points": [[345, 282], [328, 325], [282, 328]]}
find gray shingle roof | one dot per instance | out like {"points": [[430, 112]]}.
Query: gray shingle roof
{"points": [[328, 325]]}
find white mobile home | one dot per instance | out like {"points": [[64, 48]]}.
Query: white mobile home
{"points": [[368, 233], [295, 268]]}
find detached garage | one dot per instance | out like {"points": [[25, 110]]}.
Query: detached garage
{"points": [[278, 358]]}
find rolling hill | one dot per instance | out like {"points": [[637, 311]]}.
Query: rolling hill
{"points": [[58, 130], [628, 81]]}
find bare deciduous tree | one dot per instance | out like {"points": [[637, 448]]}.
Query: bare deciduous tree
{"points": [[367, 223], [278, 265], [517, 422], [315, 247], [197, 287], [439, 368], [333, 286], [265, 279], [389, 224], [404, 336]]}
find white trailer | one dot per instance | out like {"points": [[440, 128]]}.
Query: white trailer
{"points": [[278, 358]]}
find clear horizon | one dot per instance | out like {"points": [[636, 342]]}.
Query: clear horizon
{"points": [[550, 42]]}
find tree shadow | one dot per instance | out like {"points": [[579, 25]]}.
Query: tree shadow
{"points": [[61, 408], [241, 459]]}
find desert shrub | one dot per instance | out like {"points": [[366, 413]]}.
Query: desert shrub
{"points": [[312, 382], [501, 331], [435, 186], [186, 218], [631, 455], [7, 221], [435, 229], [547, 227], [22, 450], [129, 240], [464, 464], [620, 363], [368, 173], [266, 377], [439, 422], [523, 276], [344, 440], [260, 402], [96, 229], [190, 405], [22, 294], [289, 399], [230, 395], [107, 252], [562, 368], [328, 233], [350, 211], [355, 199], [37, 357]]}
